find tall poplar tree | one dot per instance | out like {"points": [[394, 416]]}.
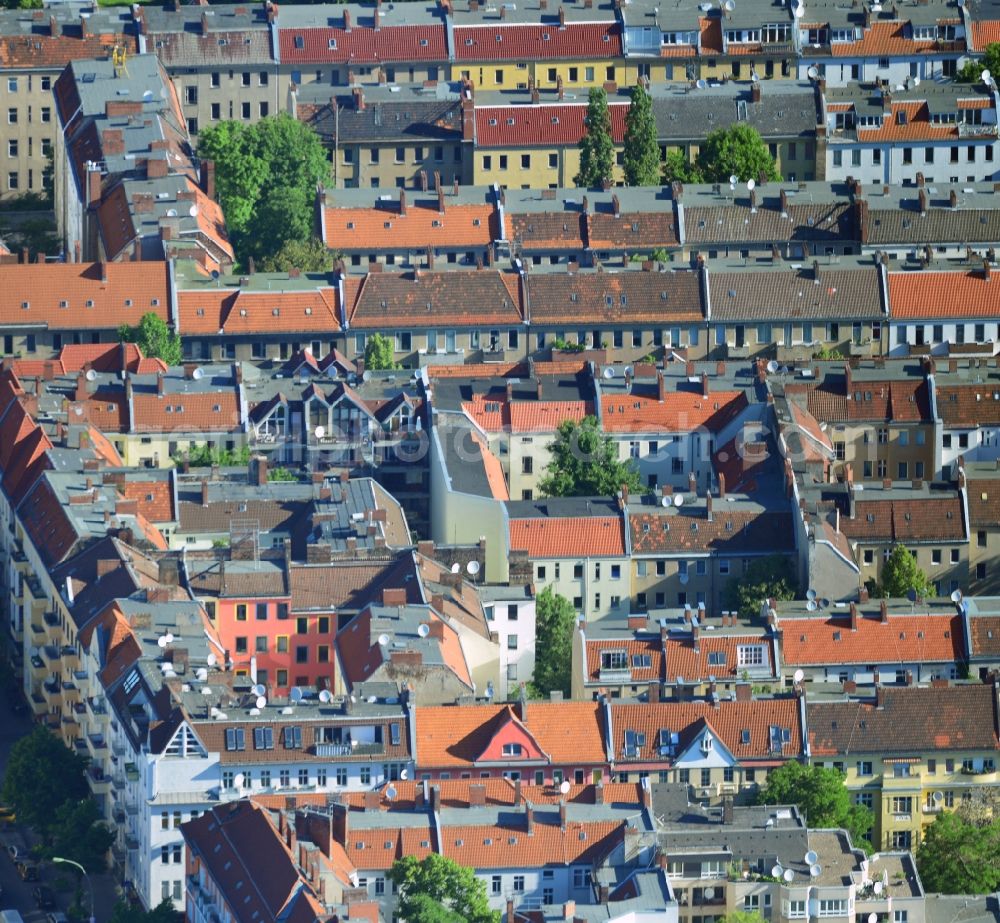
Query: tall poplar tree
{"points": [[597, 149], [642, 150]]}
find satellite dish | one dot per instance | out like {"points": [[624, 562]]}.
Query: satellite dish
{"points": [[798, 676], [772, 367], [824, 603], [404, 774], [985, 75], [733, 180], [261, 701], [609, 372], [776, 871], [956, 596], [751, 184], [383, 640], [812, 73], [198, 374], [161, 641], [201, 673], [938, 797], [147, 95], [810, 594], [811, 606], [423, 629], [390, 793], [788, 875], [709, 893], [171, 212], [678, 500], [259, 689], [367, 376], [215, 273], [169, 637], [238, 780], [665, 501], [799, 12], [295, 695], [456, 567], [810, 858], [193, 211], [815, 869], [211, 660], [564, 786], [91, 375], [916, 81], [255, 711], [729, 6], [701, 84], [326, 696], [628, 370], [877, 887], [319, 432], [473, 567]]}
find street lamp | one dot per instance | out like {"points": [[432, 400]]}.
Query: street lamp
{"points": [[83, 871]]}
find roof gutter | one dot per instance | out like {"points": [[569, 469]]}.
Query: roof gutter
{"points": [[804, 725]]}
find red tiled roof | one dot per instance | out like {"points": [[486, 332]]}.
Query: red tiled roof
{"points": [[540, 125], [682, 411], [565, 537], [363, 45], [155, 499], [531, 42], [969, 405], [984, 502], [984, 32], [458, 226], [711, 35], [985, 633], [497, 414], [633, 647], [903, 639], [728, 720], [131, 290], [731, 531], [210, 310], [571, 733], [884, 40], [684, 660], [54, 52], [942, 295], [201, 412], [909, 121]]}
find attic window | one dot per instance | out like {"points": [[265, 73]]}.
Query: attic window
{"points": [[948, 515], [243, 312], [836, 636], [63, 304], [128, 302], [332, 44], [309, 311], [223, 41], [435, 223], [25, 305], [388, 844], [350, 225], [694, 527], [745, 736], [605, 38], [871, 517], [512, 841], [574, 297], [275, 312], [729, 525], [217, 408], [111, 408], [608, 300], [499, 38], [555, 120], [906, 516], [510, 121], [493, 121], [624, 299], [387, 225], [423, 43], [488, 841], [476, 222], [300, 42], [154, 302], [469, 42], [645, 527]]}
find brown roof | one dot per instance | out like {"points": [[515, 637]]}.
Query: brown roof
{"points": [[729, 532], [54, 52], [985, 635], [778, 296], [350, 585], [615, 297], [737, 222], [970, 405], [984, 502], [926, 519], [419, 299], [917, 720], [271, 515]]}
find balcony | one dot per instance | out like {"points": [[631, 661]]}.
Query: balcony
{"points": [[131, 842], [737, 352], [615, 677], [118, 781], [331, 749], [98, 744], [51, 619], [51, 653], [52, 686], [118, 814], [131, 772], [117, 747], [37, 630]]}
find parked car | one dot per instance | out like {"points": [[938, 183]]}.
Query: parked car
{"points": [[28, 870], [44, 897]]}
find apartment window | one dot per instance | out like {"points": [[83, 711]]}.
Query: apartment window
{"points": [[241, 645], [260, 645], [12, 115], [323, 653], [496, 884], [12, 147], [526, 161], [864, 768], [301, 654], [241, 612], [46, 114], [518, 884], [216, 80], [245, 110], [216, 112], [13, 181], [263, 110]]}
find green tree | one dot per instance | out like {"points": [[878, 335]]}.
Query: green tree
{"points": [[266, 178], [37, 796], [821, 795], [771, 576], [742, 916], [677, 168], [162, 913], [971, 71], [154, 338], [309, 255], [380, 352], [736, 151], [597, 148], [555, 620], [642, 149], [585, 463], [956, 857], [79, 834], [900, 575], [440, 890]]}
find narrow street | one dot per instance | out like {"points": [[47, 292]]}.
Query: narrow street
{"points": [[16, 894]]}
